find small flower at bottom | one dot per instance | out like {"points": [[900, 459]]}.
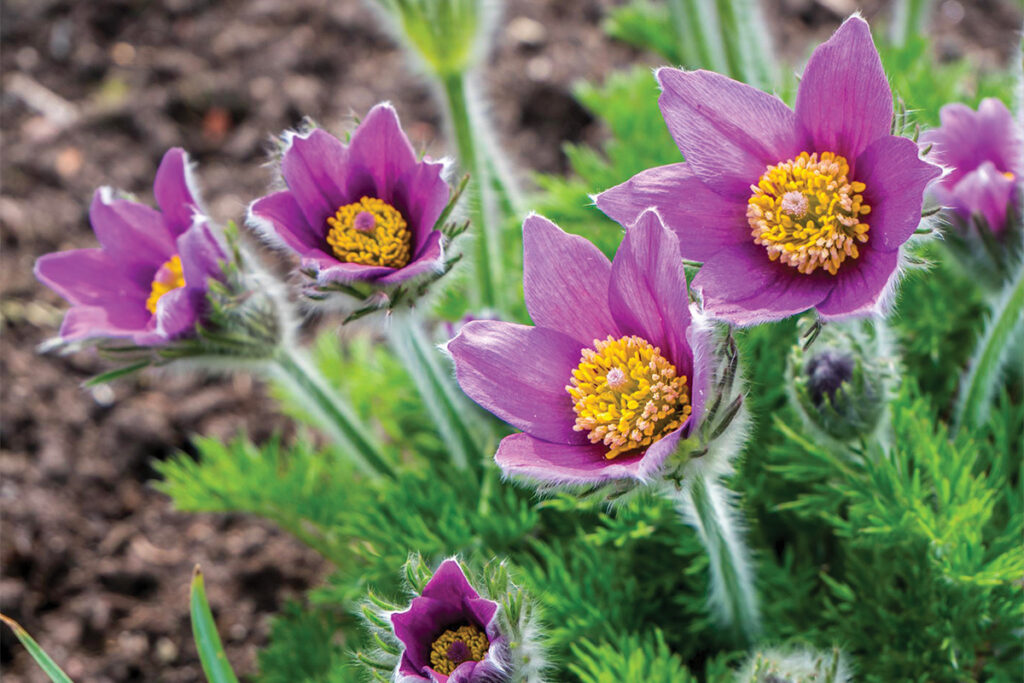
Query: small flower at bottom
{"points": [[614, 373], [148, 280], [787, 209], [364, 213]]}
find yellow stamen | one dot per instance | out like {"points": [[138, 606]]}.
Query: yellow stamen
{"points": [[807, 213], [626, 394], [1009, 175], [371, 232], [169, 278], [458, 645]]}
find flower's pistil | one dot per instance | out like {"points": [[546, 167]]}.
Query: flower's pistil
{"points": [[626, 394], [370, 232], [807, 213], [169, 278], [458, 645]]}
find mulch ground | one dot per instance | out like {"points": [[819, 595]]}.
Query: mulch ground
{"points": [[94, 562]]}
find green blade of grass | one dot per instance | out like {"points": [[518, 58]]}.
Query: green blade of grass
{"points": [[211, 653], [42, 659]]}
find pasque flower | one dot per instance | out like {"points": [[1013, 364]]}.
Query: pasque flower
{"points": [[613, 373], [788, 209], [364, 211], [147, 281], [449, 633], [984, 152]]}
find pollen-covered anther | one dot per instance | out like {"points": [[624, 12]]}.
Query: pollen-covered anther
{"points": [[458, 645], [626, 395], [808, 214], [370, 232], [167, 279]]}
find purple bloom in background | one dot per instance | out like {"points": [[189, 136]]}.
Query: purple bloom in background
{"points": [[449, 633], [984, 151], [613, 374], [358, 212], [788, 210], [148, 280]]}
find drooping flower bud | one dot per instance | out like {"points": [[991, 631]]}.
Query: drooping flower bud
{"points": [[454, 630], [840, 381], [795, 666]]}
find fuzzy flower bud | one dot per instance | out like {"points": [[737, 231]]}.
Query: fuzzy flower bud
{"points": [[796, 666], [453, 630], [840, 382]]}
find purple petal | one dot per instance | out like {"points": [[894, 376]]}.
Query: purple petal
{"points": [[519, 373], [429, 259], [449, 583], [175, 191], [421, 194], [648, 294], [986, 192], [315, 167], [178, 311], [895, 178], [862, 285], [728, 132], [565, 280], [201, 254], [89, 277], [704, 221], [331, 269], [115, 322], [541, 461], [967, 139], [417, 627], [741, 285], [380, 149], [130, 232], [280, 221], [844, 100]]}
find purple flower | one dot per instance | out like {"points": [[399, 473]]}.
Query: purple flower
{"points": [[363, 211], [449, 633], [147, 282], [613, 374], [788, 210], [984, 151]]}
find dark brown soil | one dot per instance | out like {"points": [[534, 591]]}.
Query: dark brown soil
{"points": [[94, 562]]}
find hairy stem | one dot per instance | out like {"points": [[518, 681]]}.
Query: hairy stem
{"points": [[332, 412], [706, 506]]}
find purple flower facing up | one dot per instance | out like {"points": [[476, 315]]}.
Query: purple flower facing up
{"points": [[449, 633], [984, 151], [147, 282], [359, 212], [788, 210], [608, 381]]}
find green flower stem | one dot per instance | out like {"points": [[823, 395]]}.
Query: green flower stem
{"points": [[446, 404], [335, 415], [707, 507], [485, 215], [908, 19], [993, 348], [699, 34], [745, 36]]}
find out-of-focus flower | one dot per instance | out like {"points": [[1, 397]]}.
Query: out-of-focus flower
{"points": [[449, 633], [361, 212], [148, 280], [788, 210], [614, 373], [984, 151], [795, 666]]}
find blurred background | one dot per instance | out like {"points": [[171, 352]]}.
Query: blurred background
{"points": [[94, 562]]}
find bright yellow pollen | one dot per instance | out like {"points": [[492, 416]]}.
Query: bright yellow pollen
{"points": [[1009, 175], [626, 394], [169, 278], [371, 232], [807, 213], [458, 645]]}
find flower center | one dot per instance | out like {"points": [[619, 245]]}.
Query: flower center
{"points": [[458, 645], [371, 232], [626, 394], [169, 278], [807, 213]]}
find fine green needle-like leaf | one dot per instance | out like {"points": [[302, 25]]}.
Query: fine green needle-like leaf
{"points": [[42, 659], [204, 630]]}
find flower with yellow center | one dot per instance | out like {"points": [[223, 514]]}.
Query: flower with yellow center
{"points": [[167, 279], [808, 214], [370, 232], [458, 645], [626, 395]]}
